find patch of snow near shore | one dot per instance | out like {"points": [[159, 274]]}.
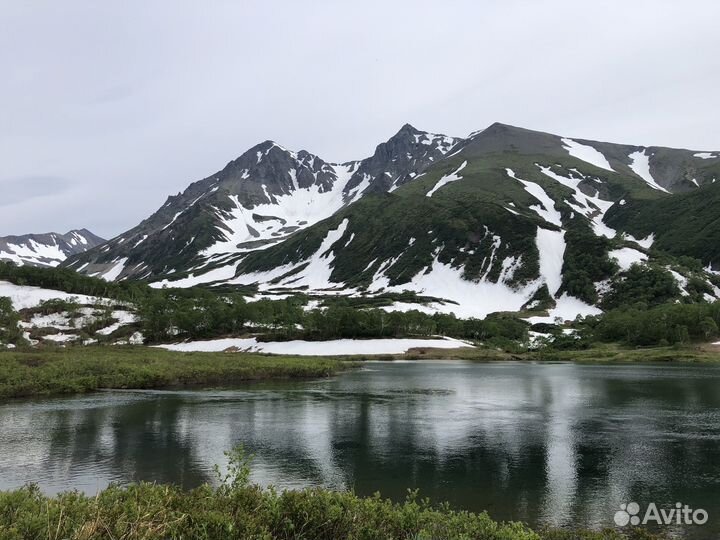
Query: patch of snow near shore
{"points": [[641, 166], [452, 177], [705, 155], [551, 247], [23, 296], [547, 211], [567, 308], [586, 153], [339, 347], [626, 257]]}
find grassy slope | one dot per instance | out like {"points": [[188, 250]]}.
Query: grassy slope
{"points": [[74, 370], [685, 224]]}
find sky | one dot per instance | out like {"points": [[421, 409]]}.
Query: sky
{"points": [[107, 108]]}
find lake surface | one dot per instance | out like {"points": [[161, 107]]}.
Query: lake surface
{"points": [[557, 444]]}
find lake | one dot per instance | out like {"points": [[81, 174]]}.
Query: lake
{"points": [[558, 444]]}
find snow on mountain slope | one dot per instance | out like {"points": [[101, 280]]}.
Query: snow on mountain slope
{"points": [[592, 207], [587, 154], [452, 177], [551, 246], [255, 202], [48, 249], [284, 213], [627, 256], [23, 297], [525, 210], [640, 164], [313, 273], [546, 210]]}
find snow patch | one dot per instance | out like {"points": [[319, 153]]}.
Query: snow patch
{"points": [[644, 242], [626, 257], [115, 271], [567, 308], [551, 247], [452, 177], [594, 208], [640, 165], [339, 347], [23, 296], [547, 211], [586, 153], [283, 214]]}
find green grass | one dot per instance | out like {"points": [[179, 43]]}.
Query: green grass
{"points": [[239, 510], [78, 370], [599, 353]]}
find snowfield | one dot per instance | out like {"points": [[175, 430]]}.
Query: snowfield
{"points": [[297, 209], [566, 309], [551, 246], [339, 347], [23, 297], [316, 271], [640, 164], [34, 253], [586, 153], [626, 257]]}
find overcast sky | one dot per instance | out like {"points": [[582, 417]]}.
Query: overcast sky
{"points": [[106, 108]]}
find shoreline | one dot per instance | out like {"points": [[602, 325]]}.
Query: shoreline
{"points": [[28, 373], [238, 509]]}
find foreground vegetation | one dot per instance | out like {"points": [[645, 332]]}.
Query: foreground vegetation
{"points": [[87, 369], [239, 510]]}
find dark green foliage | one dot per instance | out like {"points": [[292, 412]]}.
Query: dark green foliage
{"points": [[684, 224], [64, 279], [9, 331], [194, 313], [541, 300], [641, 285], [660, 325], [340, 320], [586, 262]]}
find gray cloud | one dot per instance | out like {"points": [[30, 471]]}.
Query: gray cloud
{"points": [[131, 101]]}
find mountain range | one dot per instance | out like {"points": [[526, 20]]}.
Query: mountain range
{"points": [[48, 249], [506, 219]]}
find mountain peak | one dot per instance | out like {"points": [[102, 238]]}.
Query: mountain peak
{"points": [[46, 249]]}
